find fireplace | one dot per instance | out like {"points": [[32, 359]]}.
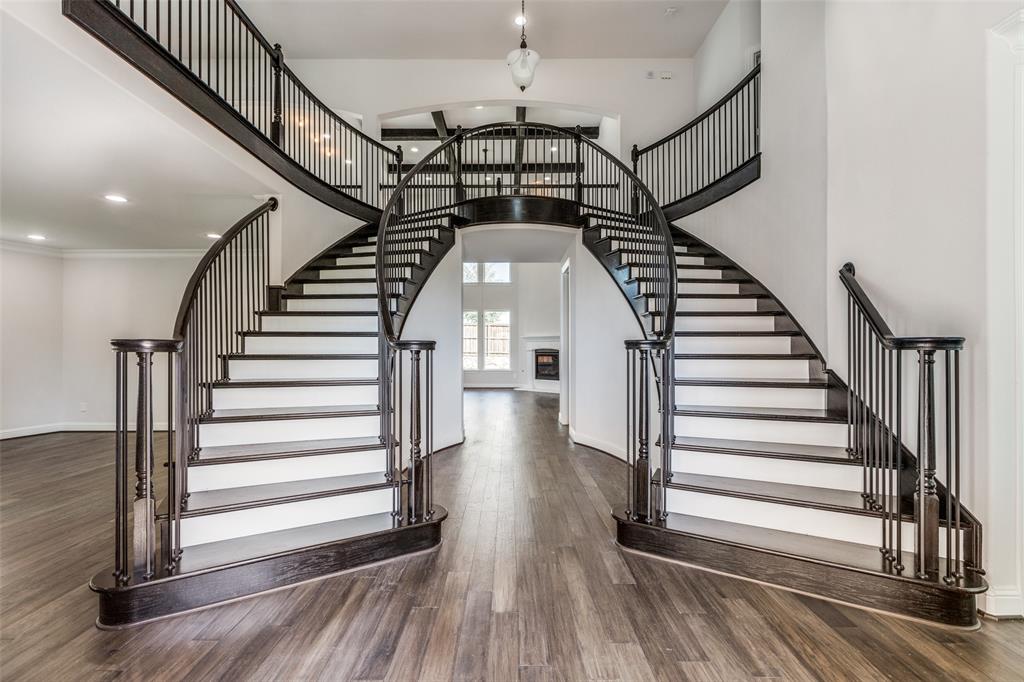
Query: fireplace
{"points": [[545, 364]]}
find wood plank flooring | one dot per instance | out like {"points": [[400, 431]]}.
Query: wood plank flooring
{"points": [[528, 585]]}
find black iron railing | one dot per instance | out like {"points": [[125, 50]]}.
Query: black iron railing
{"points": [[707, 149], [650, 372], [879, 404], [222, 48]]}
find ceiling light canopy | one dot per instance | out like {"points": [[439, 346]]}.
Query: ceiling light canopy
{"points": [[116, 198], [522, 62]]}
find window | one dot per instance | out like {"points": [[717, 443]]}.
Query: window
{"points": [[490, 273], [497, 338], [497, 273], [470, 340]]}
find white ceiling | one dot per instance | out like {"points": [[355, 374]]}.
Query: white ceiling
{"points": [[484, 29], [70, 136], [516, 243]]}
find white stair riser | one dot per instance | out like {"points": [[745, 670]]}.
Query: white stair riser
{"points": [[778, 345], [730, 305], [340, 288], [284, 430], [743, 369], [235, 524], [294, 396], [794, 472], [765, 430], [369, 248], [753, 323], [319, 323], [302, 369], [347, 273], [356, 260], [864, 530], [714, 273], [240, 474], [331, 304], [707, 288], [752, 396], [260, 345]]}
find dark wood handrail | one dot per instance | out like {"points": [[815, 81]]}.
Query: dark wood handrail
{"points": [[848, 276], [707, 112], [189, 296]]}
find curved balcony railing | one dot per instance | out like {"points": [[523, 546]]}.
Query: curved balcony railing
{"points": [[557, 164], [217, 46], [706, 152]]}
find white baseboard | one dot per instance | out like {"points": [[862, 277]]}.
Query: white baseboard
{"points": [[598, 444], [1002, 603], [534, 389], [41, 429], [563, 420]]}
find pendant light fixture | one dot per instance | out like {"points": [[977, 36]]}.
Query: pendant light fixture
{"points": [[522, 62]]}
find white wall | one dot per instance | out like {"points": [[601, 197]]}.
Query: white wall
{"points": [[785, 211], [648, 108], [437, 316], [920, 199], [601, 321], [726, 55], [31, 287]]}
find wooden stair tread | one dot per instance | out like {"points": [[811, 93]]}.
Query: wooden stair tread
{"points": [[807, 547], [204, 502], [729, 313], [300, 356], [746, 356], [779, 413], [753, 383], [211, 554], [330, 334], [324, 313], [288, 383], [279, 413], [224, 454], [797, 451], [830, 499], [698, 334]]}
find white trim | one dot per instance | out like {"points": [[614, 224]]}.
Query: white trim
{"points": [[597, 444], [79, 254], [33, 249], [534, 389], [1002, 603], [57, 427], [491, 385], [1011, 29]]}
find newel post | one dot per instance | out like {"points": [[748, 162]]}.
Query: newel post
{"points": [[277, 121], [926, 499]]}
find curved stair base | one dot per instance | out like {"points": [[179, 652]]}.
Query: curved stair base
{"points": [[197, 587], [851, 582]]}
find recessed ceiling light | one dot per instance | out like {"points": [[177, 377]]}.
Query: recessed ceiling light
{"points": [[520, 20], [326, 136], [116, 198], [213, 235], [488, 178], [479, 106], [547, 178], [330, 153], [37, 237], [348, 161], [414, 149], [554, 148]]}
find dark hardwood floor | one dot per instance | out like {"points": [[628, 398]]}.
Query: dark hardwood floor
{"points": [[528, 584]]}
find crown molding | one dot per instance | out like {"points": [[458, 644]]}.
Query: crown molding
{"points": [[84, 254], [1011, 29], [33, 249]]}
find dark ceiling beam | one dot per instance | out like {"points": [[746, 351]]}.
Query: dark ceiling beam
{"points": [[517, 178], [441, 130], [429, 134]]}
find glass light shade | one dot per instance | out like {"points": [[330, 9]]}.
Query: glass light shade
{"points": [[522, 63]]}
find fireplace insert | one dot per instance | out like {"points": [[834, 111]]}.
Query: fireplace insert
{"points": [[545, 364]]}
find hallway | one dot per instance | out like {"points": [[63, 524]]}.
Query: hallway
{"points": [[528, 584]]}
